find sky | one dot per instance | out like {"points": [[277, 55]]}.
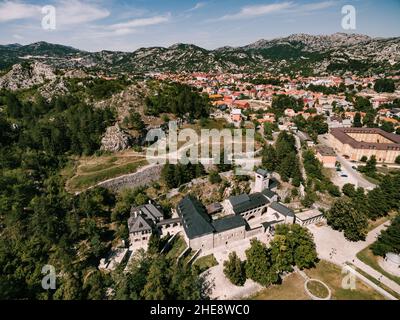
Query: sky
{"points": [[123, 25]]}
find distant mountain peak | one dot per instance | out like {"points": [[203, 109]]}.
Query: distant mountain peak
{"points": [[314, 54]]}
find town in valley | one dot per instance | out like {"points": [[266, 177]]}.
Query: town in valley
{"points": [[305, 205]]}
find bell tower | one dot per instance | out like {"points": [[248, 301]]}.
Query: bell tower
{"points": [[262, 180]]}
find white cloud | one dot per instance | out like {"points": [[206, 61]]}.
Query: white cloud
{"points": [[71, 12], [76, 12], [258, 10], [317, 6], [18, 37], [142, 22], [126, 28], [288, 7], [198, 6], [11, 10]]}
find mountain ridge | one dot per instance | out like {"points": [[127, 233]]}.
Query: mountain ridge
{"points": [[295, 53]]}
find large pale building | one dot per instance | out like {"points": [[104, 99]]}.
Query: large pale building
{"points": [[355, 143]]}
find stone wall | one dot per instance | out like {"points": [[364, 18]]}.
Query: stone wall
{"points": [[229, 236], [253, 232], [144, 176], [205, 242]]}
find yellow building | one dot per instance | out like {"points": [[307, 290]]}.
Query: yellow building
{"points": [[355, 143]]}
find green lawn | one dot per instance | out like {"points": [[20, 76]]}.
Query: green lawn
{"points": [[205, 262], [332, 276], [178, 247], [317, 289], [370, 259], [81, 182], [292, 287]]}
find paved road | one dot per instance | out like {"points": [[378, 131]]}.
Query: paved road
{"points": [[353, 175], [371, 284], [360, 181]]}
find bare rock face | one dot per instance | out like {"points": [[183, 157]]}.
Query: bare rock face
{"points": [[115, 139], [56, 86], [24, 76], [76, 73]]}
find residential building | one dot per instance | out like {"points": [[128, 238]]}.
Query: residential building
{"points": [[236, 115], [326, 156], [147, 219]]}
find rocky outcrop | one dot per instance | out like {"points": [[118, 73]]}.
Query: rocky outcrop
{"points": [[80, 74], [115, 139], [25, 76], [54, 87]]}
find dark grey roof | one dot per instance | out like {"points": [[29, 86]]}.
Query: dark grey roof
{"points": [[269, 193], [214, 207], [150, 211], [279, 207], [228, 223], [273, 183], [139, 224], [236, 200], [248, 202], [262, 172], [196, 222], [169, 221]]}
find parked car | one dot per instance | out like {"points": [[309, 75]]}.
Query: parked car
{"points": [[344, 175]]}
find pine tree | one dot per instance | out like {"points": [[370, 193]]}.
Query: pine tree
{"points": [[234, 269]]}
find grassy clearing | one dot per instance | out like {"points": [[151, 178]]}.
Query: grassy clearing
{"points": [[81, 182], [206, 262], [332, 276], [292, 287], [370, 259], [178, 247], [88, 171], [208, 124]]}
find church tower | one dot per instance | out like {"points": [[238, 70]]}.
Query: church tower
{"points": [[262, 180]]}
